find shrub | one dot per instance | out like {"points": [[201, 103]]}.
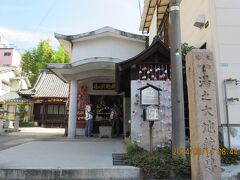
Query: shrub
{"points": [[22, 112], [159, 164], [26, 124], [231, 156]]}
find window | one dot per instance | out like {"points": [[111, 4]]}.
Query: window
{"points": [[50, 109], [61, 109], [56, 109], [7, 54]]}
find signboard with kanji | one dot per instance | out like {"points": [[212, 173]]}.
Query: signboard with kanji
{"points": [[149, 95], [152, 113], [203, 121]]}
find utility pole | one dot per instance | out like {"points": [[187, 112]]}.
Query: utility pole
{"points": [[178, 122]]}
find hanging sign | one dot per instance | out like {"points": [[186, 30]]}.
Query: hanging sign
{"points": [[103, 86]]}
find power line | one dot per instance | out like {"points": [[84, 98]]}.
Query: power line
{"points": [[46, 15]]}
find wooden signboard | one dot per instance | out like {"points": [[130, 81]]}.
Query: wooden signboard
{"points": [[149, 95], [103, 86]]}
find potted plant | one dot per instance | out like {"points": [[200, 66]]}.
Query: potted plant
{"points": [[20, 115], [105, 129], [6, 121]]}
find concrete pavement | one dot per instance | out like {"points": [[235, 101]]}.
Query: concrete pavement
{"points": [[53, 156], [60, 155], [25, 135]]}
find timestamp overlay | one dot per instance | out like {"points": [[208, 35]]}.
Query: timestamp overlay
{"points": [[204, 151]]}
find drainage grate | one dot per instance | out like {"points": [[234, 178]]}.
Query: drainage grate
{"points": [[119, 159]]}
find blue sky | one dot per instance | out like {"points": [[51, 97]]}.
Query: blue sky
{"points": [[24, 22]]}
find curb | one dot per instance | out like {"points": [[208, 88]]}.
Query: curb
{"points": [[111, 173]]}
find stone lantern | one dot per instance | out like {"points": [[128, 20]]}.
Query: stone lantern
{"points": [[1, 120]]}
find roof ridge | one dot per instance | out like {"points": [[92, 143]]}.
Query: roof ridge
{"points": [[100, 31], [37, 83], [40, 80]]}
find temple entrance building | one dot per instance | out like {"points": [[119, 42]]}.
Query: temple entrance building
{"points": [[91, 74]]}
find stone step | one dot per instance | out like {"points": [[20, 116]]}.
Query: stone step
{"points": [[121, 172]]}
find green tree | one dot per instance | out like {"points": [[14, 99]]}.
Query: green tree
{"points": [[186, 48], [37, 58], [22, 112]]}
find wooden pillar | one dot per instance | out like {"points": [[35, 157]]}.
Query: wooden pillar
{"points": [[43, 113]]}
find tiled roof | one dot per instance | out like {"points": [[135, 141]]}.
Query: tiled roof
{"points": [[48, 85], [13, 97]]}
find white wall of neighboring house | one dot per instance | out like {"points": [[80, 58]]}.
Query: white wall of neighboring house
{"points": [[10, 81], [190, 34], [228, 38], [12, 58], [153, 27], [5, 81], [223, 38], [107, 46]]}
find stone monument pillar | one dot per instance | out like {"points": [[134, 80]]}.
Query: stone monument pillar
{"points": [[203, 121], [16, 124]]}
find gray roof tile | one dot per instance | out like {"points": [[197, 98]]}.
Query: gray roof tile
{"points": [[13, 97], [48, 85]]}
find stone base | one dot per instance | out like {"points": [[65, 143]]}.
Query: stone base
{"points": [[80, 131], [105, 131]]}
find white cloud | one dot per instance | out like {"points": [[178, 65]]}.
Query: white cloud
{"points": [[12, 8], [26, 39]]}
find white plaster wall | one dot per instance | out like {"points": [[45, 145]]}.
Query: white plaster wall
{"points": [[197, 37], [228, 28], [153, 27], [189, 11], [223, 38], [107, 46]]}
